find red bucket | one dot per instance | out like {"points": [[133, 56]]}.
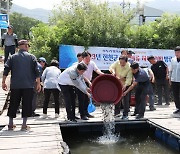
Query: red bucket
{"points": [[106, 89], [133, 100]]}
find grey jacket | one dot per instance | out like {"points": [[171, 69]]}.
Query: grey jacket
{"points": [[70, 76]]}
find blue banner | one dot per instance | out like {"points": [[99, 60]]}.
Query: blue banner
{"points": [[3, 25], [67, 55], [105, 56], [3, 17]]}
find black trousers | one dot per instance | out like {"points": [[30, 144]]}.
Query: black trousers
{"points": [[176, 93], [69, 98], [16, 96], [9, 50], [35, 94], [162, 85], [125, 103], [86, 102], [81, 97], [47, 94], [140, 98]]}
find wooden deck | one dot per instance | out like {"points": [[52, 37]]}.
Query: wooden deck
{"points": [[45, 134]]}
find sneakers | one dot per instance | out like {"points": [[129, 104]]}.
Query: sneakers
{"points": [[177, 111], [35, 114], [56, 115], [125, 117], [84, 118], [158, 104], [77, 117], [139, 116], [89, 116], [18, 111], [44, 116], [72, 120], [117, 115], [11, 127], [152, 108], [25, 128], [134, 114]]}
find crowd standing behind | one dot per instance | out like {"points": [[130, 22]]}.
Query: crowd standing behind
{"points": [[25, 83]]}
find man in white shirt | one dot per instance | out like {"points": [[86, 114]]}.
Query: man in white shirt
{"points": [[68, 80], [91, 66], [175, 78]]}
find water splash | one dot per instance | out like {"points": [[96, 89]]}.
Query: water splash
{"points": [[109, 135]]}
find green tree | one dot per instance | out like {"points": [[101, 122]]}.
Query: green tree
{"points": [[166, 31], [45, 41], [91, 23], [83, 22], [22, 25]]}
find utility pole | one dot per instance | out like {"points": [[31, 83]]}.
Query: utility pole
{"points": [[8, 10], [124, 5]]}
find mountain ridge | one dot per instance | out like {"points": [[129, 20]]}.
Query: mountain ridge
{"points": [[38, 13], [152, 8]]}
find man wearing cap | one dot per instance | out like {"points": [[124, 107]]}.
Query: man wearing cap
{"points": [[42, 63], [142, 87], [9, 40], [24, 72], [161, 74], [129, 55], [175, 78]]}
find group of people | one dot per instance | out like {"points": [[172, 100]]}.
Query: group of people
{"points": [[29, 76], [132, 75]]}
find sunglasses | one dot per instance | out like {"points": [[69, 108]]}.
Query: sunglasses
{"points": [[27, 45]]}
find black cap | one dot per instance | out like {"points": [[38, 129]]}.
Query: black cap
{"points": [[130, 52], [23, 42], [150, 57], [134, 65], [144, 66], [10, 26], [177, 48]]}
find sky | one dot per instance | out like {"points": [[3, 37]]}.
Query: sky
{"points": [[49, 4]]}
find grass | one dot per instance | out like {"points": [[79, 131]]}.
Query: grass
{"points": [[1, 52]]}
